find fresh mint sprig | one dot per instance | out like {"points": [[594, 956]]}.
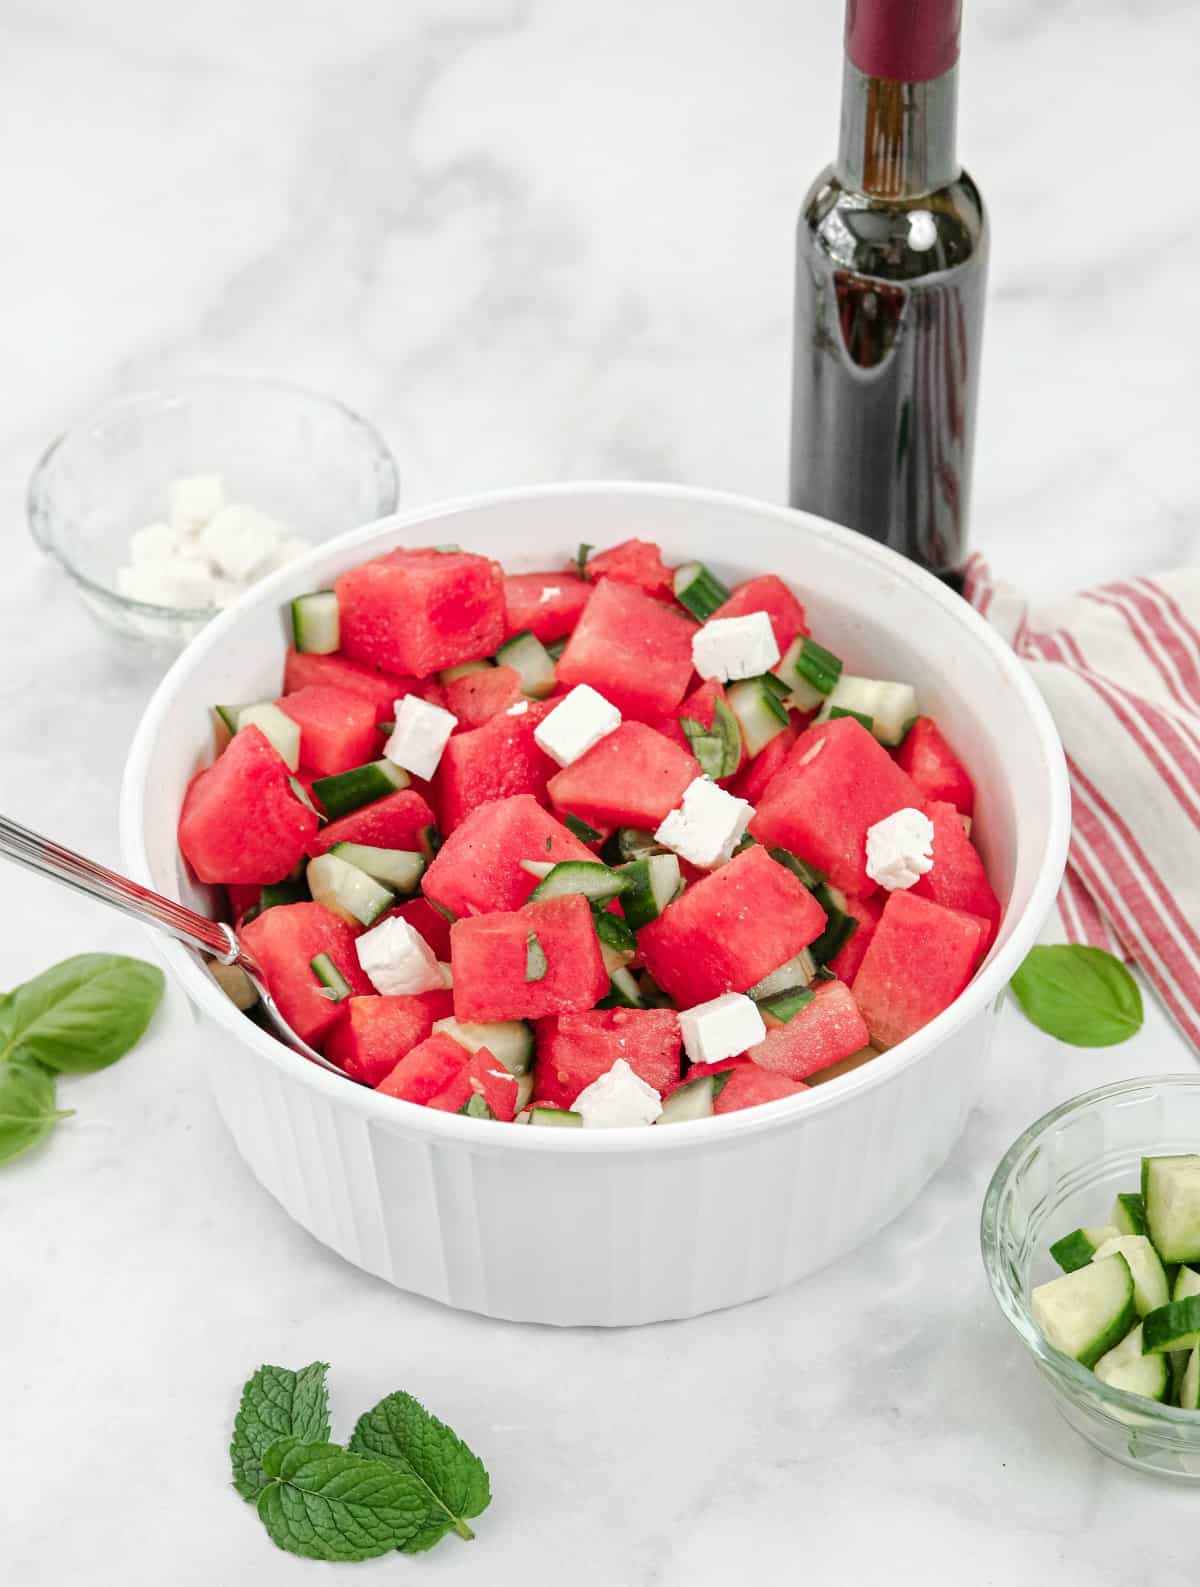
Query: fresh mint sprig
{"points": [[277, 1403]]}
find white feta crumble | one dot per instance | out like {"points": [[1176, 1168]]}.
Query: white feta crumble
{"points": [[724, 1027], [735, 647], [193, 499], [397, 960], [184, 581], [900, 849], [518, 709], [707, 826], [419, 736], [156, 542], [617, 1098], [240, 541], [550, 593], [577, 723]]}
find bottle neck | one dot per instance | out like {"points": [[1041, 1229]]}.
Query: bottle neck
{"points": [[897, 139]]}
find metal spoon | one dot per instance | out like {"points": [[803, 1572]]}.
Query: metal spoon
{"points": [[213, 937]]}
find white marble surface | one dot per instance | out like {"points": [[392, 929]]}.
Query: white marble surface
{"points": [[538, 240]]}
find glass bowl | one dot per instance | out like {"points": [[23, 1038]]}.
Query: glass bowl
{"points": [[1063, 1173], [300, 457]]}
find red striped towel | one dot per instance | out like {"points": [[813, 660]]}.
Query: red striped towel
{"points": [[1119, 667]]}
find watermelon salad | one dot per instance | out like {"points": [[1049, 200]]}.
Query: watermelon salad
{"points": [[602, 846]]}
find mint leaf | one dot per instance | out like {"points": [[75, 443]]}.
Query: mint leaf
{"points": [[324, 1502], [81, 1015], [401, 1431], [1080, 995], [27, 1111], [277, 1403]]}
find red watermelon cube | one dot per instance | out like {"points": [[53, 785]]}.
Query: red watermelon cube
{"points": [[724, 933], [399, 820], [427, 1070], [934, 767], [433, 926], [824, 1032], [867, 912], [489, 1079], [634, 777], [771, 595], [747, 1086], [635, 562], [958, 879], [632, 649], [919, 960], [382, 689], [337, 727], [418, 611], [283, 942], [835, 783], [456, 1095], [376, 1032], [494, 761], [478, 869], [240, 821], [756, 774], [479, 696], [548, 605], [242, 896], [575, 1049], [526, 963]]}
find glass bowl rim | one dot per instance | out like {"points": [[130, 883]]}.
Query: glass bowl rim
{"points": [[1012, 1302], [38, 514]]}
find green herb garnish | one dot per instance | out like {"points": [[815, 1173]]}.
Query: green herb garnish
{"points": [[1080, 995]]}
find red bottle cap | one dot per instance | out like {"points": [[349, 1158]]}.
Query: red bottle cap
{"points": [[909, 41]]}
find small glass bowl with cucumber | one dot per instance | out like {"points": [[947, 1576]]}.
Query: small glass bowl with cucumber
{"points": [[1091, 1240]]}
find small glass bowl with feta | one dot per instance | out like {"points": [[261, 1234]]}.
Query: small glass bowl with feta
{"points": [[164, 507], [1064, 1173]]}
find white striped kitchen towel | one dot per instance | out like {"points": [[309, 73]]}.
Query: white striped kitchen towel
{"points": [[1119, 667]]}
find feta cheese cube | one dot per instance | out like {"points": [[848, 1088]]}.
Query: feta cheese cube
{"points": [[576, 724], [707, 826], [735, 647], [419, 736], [617, 1098], [185, 582], [724, 1027], [154, 542], [900, 849], [289, 549], [193, 500], [518, 708], [397, 960], [241, 541]]}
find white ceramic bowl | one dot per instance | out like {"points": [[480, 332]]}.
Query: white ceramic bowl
{"points": [[623, 1226]]}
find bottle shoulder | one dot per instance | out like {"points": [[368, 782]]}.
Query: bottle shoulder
{"points": [[894, 239]]}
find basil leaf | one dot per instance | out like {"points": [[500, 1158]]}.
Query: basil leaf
{"points": [[27, 1111], [400, 1430], [80, 1015], [1080, 995], [276, 1403], [324, 1502]]}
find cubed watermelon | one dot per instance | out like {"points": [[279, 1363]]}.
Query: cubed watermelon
{"points": [[866, 912], [240, 821], [635, 562], [383, 689], [633, 777], [492, 1081], [934, 767], [337, 727], [433, 926], [399, 820], [548, 605], [771, 595], [242, 896], [723, 934], [454, 1097], [284, 941], [427, 1070], [575, 1049], [494, 761], [835, 783], [525, 963], [958, 879], [478, 868], [757, 773], [824, 1032], [919, 960], [417, 611], [747, 1086], [376, 1032], [479, 696], [635, 651]]}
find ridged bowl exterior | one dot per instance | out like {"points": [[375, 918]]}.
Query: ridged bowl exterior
{"points": [[633, 1225]]}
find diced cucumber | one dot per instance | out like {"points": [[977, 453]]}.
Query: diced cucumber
{"points": [[530, 658], [301, 793], [539, 868], [718, 748], [399, 869], [476, 1108], [818, 667], [580, 829], [1187, 1283], [617, 942], [235, 983], [510, 1040], [839, 925], [292, 890], [700, 590], [1085, 1313], [362, 785], [889, 705], [1175, 1326], [801, 869], [555, 650], [801, 696], [595, 881], [761, 713], [1189, 1383], [1171, 1193], [1076, 1250], [623, 991], [524, 1091], [463, 670], [229, 715], [1128, 1215], [1150, 1289], [653, 883], [1125, 1367], [277, 728], [692, 1100], [335, 985], [556, 1118], [796, 972], [653, 995], [347, 891], [315, 625], [781, 1007]]}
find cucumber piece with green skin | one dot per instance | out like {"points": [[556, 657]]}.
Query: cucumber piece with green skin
{"points": [[529, 657], [1085, 1313], [623, 991], [510, 1041], [760, 712], [781, 1007], [653, 883], [335, 984], [1126, 1367], [1128, 1214], [556, 1118], [464, 669], [350, 893], [580, 828], [1187, 1283], [802, 695], [1189, 1381], [839, 925], [476, 1108], [1150, 1290], [316, 628], [1171, 1193], [692, 1100], [555, 650], [277, 728], [652, 994], [1077, 1249], [889, 705], [796, 972], [1175, 1326], [617, 942], [594, 881], [361, 785], [800, 869], [229, 715], [699, 589], [399, 869]]}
